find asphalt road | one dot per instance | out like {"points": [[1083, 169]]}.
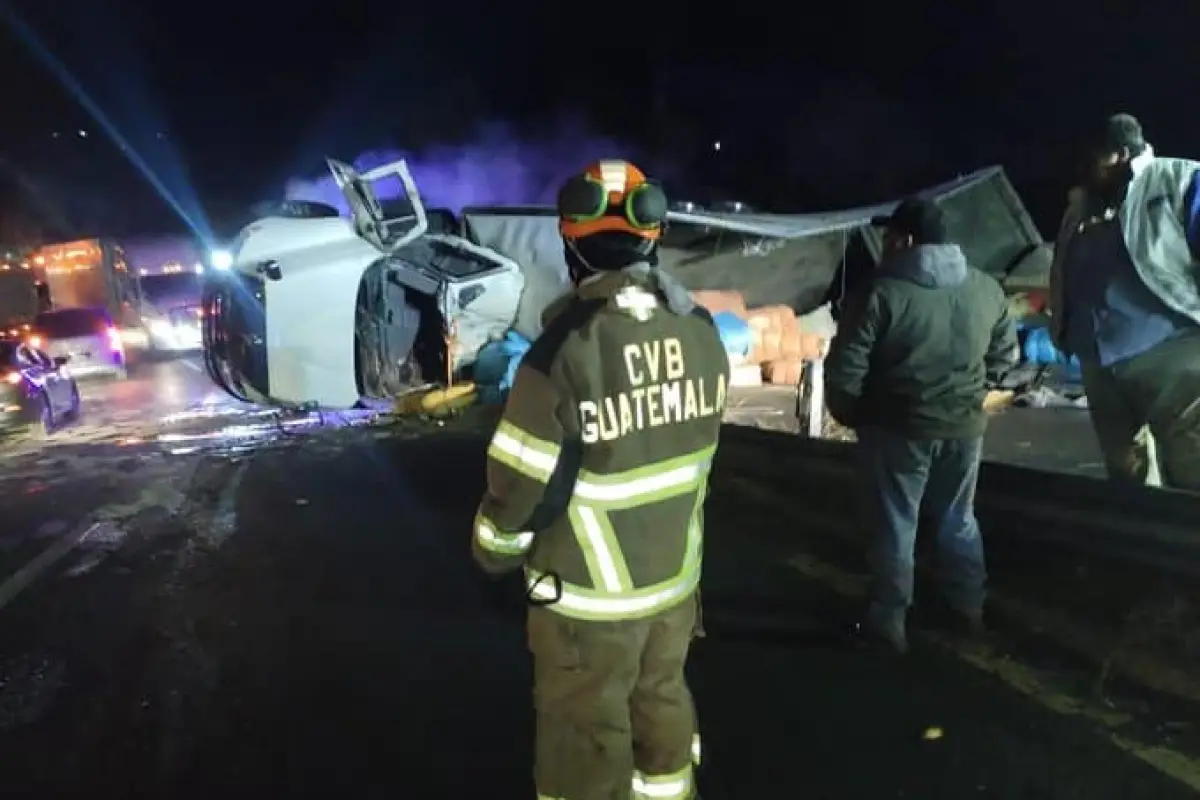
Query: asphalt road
{"points": [[300, 618], [1053, 439]]}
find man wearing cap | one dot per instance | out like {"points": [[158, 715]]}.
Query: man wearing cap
{"points": [[908, 371], [1125, 299], [596, 481]]}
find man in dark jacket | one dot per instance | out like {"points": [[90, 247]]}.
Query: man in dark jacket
{"points": [[908, 371]]}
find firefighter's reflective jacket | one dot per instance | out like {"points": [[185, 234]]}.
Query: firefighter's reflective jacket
{"points": [[597, 472]]}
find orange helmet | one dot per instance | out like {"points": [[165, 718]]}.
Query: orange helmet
{"points": [[611, 196]]}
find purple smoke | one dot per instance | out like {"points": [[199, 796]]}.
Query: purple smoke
{"points": [[497, 168]]}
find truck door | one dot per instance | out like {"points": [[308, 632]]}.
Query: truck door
{"points": [[385, 235]]}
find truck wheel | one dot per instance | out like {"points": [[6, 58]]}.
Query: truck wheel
{"points": [[44, 426], [73, 413]]}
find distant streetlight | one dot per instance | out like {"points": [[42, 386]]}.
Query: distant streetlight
{"points": [[82, 133]]}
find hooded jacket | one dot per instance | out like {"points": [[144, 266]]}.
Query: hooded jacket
{"points": [[915, 347]]}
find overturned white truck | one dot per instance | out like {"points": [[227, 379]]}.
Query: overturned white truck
{"points": [[320, 311]]}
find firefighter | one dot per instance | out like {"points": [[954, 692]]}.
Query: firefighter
{"points": [[596, 481]]}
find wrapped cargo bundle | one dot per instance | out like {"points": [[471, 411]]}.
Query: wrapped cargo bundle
{"points": [[776, 333], [728, 310], [783, 371], [719, 301]]}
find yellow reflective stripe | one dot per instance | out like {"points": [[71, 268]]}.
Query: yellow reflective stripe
{"points": [[533, 457], [605, 563], [578, 603], [660, 481], [612, 596], [696, 749], [581, 603], [675, 786], [702, 456], [492, 540]]}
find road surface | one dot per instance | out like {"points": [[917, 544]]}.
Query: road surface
{"points": [[191, 618]]}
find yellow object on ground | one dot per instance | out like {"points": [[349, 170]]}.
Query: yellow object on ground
{"points": [[437, 402], [998, 400]]}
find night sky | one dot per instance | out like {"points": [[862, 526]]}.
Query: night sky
{"points": [[223, 101]]}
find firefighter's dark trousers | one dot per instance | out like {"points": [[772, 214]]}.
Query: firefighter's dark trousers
{"points": [[615, 718], [1156, 392]]}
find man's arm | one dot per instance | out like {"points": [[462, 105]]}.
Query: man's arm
{"points": [[523, 456], [1004, 350], [1056, 306], [849, 356], [1191, 214]]}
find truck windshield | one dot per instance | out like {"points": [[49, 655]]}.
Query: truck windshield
{"points": [[176, 289], [71, 322], [235, 335], [18, 297]]}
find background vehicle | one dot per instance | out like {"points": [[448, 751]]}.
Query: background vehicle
{"points": [[36, 393], [91, 273], [171, 310], [85, 336], [18, 298]]}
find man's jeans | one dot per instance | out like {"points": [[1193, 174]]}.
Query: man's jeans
{"points": [[896, 474]]}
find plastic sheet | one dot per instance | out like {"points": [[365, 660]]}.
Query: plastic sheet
{"points": [[735, 334], [496, 367], [1038, 348]]}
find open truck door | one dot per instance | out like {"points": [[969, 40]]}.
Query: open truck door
{"points": [[366, 212]]}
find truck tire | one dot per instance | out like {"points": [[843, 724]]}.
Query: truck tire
{"points": [[45, 424]]}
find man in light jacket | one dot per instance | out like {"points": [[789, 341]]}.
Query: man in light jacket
{"points": [[1125, 298]]}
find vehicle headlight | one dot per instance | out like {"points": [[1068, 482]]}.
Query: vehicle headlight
{"points": [[220, 259]]}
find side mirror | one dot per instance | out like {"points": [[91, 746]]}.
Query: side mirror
{"points": [[61, 360]]}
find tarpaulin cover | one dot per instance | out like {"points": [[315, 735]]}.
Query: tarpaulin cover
{"points": [[772, 259]]}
